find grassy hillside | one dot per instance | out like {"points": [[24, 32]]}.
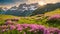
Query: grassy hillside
{"points": [[37, 19], [4, 17], [57, 11]]}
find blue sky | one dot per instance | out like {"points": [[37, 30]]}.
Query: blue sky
{"points": [[10, 3], [5, 2]]}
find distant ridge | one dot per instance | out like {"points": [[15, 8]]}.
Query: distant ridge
{"points": [[46, 8]]}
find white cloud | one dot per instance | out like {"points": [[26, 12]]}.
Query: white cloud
{"points": [[46, 1], [52, 1]]}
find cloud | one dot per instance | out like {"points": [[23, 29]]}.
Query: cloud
{"points": [[52, 1], [9, 3]]}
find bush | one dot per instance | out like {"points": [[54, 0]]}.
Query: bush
{"points": [[54, 20]]}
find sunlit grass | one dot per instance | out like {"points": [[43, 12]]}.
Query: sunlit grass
{"points": [[57, 11]]}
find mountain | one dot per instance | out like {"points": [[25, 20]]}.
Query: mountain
{"points": [[22, 10], [46, 8], [29, 9], [1, 10], [13, 8]]}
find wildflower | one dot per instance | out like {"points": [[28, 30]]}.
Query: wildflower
{"points": [[41, 27], [4, 26], [12, 27], [8, 22], [33, 26], [19, 27], [3, 30], [47, 32], [52, 30], [59, 32], [57, 16], [25, 25]]}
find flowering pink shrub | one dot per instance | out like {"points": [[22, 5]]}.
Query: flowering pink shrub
{"points": [[12, 27], [54, 20], [57, 16], [31, 28], [28, 29], [19, 27]]}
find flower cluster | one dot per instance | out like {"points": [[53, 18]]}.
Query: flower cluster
{"points": [[29, 28], [57, 16], [54, 20]]}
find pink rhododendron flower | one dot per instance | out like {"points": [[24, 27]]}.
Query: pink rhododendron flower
{"points": [[25, 25], [57, 16], [12, 27], [19, 28]]}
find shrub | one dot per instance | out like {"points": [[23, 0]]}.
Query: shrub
{"points": [[54, 20]]}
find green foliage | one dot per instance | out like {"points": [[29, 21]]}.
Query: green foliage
{"points": [[12, 32], [54, 23]]}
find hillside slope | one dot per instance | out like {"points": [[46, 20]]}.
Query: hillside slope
{"points": [[57, 11], [46, 8]]}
